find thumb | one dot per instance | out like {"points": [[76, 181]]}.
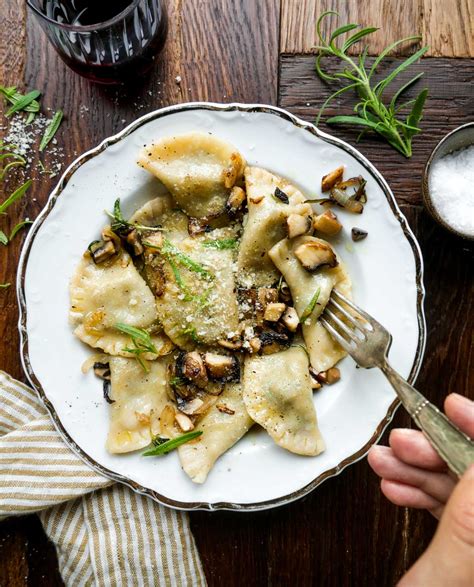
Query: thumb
{"points": [[453, 543], [449, 559]]}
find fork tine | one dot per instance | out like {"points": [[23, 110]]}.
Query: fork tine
{"points": [[350, 333], [350, 317], [335, 334], [351, 304]]}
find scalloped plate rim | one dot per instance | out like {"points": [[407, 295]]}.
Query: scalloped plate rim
{"points": [[20, 289]]}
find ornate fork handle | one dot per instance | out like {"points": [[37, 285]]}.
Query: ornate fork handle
{"points": [[450, 443]]}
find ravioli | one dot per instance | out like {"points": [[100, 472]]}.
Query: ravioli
{"points": [[220, 428], [265, 224], [104, 295], [196, 307], [162, 211], [278, 396], [197, 168], [139, 398], [324, 352]]}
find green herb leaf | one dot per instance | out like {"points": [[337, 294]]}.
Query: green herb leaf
{"points": [[141, 340], [370, 112], [9, 154], [182, 259], [4, 285], [357, 37], [12, 96], [51, 130], [23, 102], [310, 307], [221, 244], [16, 195], [416, 113], [163, 446], [18, 227], [3, 238]]}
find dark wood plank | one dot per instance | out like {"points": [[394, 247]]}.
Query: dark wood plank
{"points": [[446, 27], [222, 51], [450, 103]]}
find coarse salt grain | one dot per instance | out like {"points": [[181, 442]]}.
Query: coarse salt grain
{"points": [[451, 186]]}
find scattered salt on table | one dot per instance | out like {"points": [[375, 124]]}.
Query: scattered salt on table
{"points": [[451, 186]]}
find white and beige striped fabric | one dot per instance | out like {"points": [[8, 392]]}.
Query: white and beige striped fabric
{"points": [[105, 534]]}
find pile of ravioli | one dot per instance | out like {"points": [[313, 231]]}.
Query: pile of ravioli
{"points": [[199, 283]]}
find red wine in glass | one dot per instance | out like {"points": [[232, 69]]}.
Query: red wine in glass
{"points": [[107, 41]]}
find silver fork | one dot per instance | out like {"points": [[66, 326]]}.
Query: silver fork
{"points": [[368, 343]]}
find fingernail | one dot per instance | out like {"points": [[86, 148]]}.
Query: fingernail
{"points": [[461, 399]]}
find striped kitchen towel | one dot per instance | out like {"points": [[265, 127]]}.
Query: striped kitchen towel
{"points": [[105, 534]]}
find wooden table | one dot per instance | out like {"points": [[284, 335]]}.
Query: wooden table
{"points": [[346, 532]]}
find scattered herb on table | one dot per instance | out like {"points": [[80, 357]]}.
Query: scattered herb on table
{"points": [[16, 195], [310, 307], [7, 152], [3, 238], [4, 285], [13, 97], [162, 446], [141, 341], [51, 130], [371, 112]]}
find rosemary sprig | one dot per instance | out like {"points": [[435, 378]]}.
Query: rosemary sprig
{"points": [[162, 446], [141, 341], [370, 112], [51, 130], [310, 307]]}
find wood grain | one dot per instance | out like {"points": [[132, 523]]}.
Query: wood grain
{"points": [[345, 533], [445, 26], [450, 104], [213, 47]]}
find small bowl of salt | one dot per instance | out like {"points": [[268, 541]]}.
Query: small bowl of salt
{"points": [[448, 181]]}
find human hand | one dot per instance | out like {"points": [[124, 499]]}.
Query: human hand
{"points": [[413, 475]]}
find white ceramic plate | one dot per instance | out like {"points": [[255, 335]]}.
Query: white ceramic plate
{"points": [[386, 269]]}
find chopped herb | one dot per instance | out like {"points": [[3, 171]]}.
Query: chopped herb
{"points": [[163, 446], [192, 333], [141, 340], [310, 307], [12, 96], [281, 196], [302, 346], [280, 282], [221, 244], [22, 102], [51, 130], [16, 195], [18, 227], [121, 227], [9, 153], [4, 285], [3, 238], [371, 113], [176, 381], [182, 259]]}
